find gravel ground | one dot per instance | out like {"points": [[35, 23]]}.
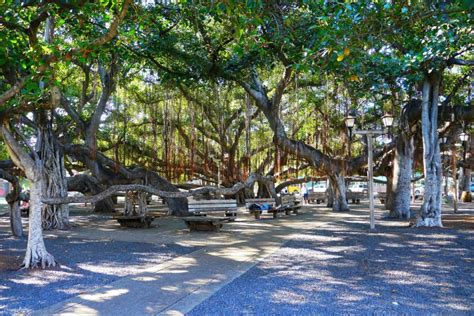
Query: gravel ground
{"points": [[85, 266], [342, 268]]}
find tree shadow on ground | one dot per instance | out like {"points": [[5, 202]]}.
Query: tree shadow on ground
{"points": [[85, 265], [344, 268]]}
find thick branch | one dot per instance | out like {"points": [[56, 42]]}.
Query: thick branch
{"points": [[165, 194]]}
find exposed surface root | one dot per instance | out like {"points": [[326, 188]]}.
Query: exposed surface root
{"points": [[39, 258]]}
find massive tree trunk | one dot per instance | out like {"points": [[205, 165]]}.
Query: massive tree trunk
{"points": [[401, 174], [36, 253], [465, 185], [389, 196], [465, 180], [430, 211], [13, 200], [54, 216], [338, 189]]}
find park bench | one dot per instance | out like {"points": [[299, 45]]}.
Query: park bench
{"points": [[355, 197], [317, 197], [382, 196], [258, 213], [133, 216], [135, 221], [288, 204], [157, 208], [200, 209]]}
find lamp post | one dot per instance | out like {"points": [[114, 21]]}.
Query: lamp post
{"points": [[387, 120], [464, 137]]}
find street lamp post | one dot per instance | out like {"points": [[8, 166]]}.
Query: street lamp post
{"points": [[387, 120], [464, 138]]}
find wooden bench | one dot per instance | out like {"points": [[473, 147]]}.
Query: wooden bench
{"points": [[201, 208], [135, 221], [205, 223], [158, 209], [355, 197], [204, 207], [258, 213], [290, 204], [317, 197], [382, 196]]}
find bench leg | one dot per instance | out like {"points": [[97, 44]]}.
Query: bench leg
{"points": [[232, 216], [217, 227]]}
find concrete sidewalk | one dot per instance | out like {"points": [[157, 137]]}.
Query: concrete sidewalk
{"points": [[177, 286]]}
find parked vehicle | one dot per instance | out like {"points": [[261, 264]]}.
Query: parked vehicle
{"points": [[293, 189], [358, 187], [320, 187]]}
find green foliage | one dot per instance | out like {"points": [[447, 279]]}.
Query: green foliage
{"points": [[362, 57]]}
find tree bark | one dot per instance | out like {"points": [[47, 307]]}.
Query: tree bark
{"points": [[465, 181], [13, 199], [338, 187], [389, 196], [112, 173], [89, 185], [15, 219], [401, 177], [54, 216], [454, 172], [430, 211], [36, 253]]}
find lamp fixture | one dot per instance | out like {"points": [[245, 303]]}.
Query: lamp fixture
{"points": [[350, 121], [463, 137], [387, 120]]}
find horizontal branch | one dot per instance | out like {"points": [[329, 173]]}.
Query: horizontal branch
{"points": [[164, 194]]}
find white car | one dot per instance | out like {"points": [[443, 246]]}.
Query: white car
{"points": [[320, 187], [358, 187]]}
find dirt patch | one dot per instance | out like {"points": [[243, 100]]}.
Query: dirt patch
{"points": [[10, 263], [459, 221]]}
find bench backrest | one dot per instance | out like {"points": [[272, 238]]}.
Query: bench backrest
{"points": [[211, 205], [288, 200], [314, 195], [269, 201]]}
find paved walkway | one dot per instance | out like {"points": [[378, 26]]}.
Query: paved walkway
{"points": [[177, 286]]}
